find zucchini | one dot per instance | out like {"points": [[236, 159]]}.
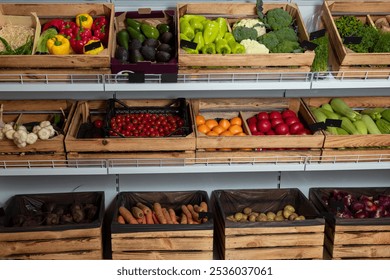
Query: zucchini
{"points": [[371, 126], [348, 126], [339, 106], [361, 127], [383, 125], [386, 115]]}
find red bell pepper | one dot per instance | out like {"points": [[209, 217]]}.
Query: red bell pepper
{"points": [[99, 29], [57, 23], [82, 37], [69, 29]]}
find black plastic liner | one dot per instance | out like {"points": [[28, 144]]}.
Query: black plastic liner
{"points": [[173, 199], [178, 107], [229, 202], [317, 196], [30, 203]]}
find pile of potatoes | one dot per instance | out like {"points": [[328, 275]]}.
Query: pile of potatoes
{"points": [[248, 215]]}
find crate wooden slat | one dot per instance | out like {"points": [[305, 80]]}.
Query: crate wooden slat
{"points": [[354, 238], [47, 11], [63, 242], [343, 141], [289, 62], [268, 240], [129, 147], [343, 58], [162, 242]]}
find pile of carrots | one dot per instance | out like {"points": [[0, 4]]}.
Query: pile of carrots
{"points": [[142, 214]]}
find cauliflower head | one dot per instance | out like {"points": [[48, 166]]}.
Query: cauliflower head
{"points": [[252, 23], [254, 47]]}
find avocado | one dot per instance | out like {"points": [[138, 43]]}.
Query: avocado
{"points": [[135, 44], [151, 43], [166, 37], [121, 54], [135, 56], [149, 53], [165, 47], [162, 56]]}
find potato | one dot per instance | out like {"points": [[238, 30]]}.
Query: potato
{"points": [[287, 213], [279, 218], [271, 216], [231, 218], [255, 214], [244, 217], [247, 210], [289, 208], [238, 216], [252, 218], [293, 216], [279, 213], [261, 218], [300, 218]]}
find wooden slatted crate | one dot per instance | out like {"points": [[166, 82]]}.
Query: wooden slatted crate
{"points": [[270, 239], [63, 241], [101, 147], [162, 242], [342, 59], [367, 238], [246, 148], [244, 63], [30, 111]]}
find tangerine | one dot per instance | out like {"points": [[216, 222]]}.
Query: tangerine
{"points": [[241, 134], [226, 133], [212, 133], [218, 129], [224, 123], [199, 119], [211, 123], [236, 121], [235, 129], [203, 129]]}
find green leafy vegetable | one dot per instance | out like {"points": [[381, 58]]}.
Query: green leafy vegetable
{"points": [[320, 62], [22, 50], [278, 18]]}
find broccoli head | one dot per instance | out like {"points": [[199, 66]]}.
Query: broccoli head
{"points": [[287, 47], [286, 34], [270, 40], [241, 33], [278, 18]]}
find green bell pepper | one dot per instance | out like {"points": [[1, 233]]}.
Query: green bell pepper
{"points": [[196, 24], [210, 31], [209, 49], [222, 23], [190, 51], [236, 48], [184, 37], [186, 29], [222, 46], [199, 40]]}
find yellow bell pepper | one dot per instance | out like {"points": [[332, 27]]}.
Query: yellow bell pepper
{"points": [[58, 45], [84, 20], [93, 47]]}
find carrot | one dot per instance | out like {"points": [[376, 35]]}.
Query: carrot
{"points": [[121, 220], [173, 216], [195, 216], [129, 218], [167, 217], [149, 218], [154, 217], [139, 220], [144, 208], [203, 205], [183, 220], [137, 212], [159, 214], [187, 213], [198, 209]]}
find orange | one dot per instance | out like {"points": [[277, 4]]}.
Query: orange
{"points": [[199, 119], [211, 123], [218, 129], [203, 129], [226, 133], [235, 129], [236, 120], [241, 134], [212, 133], [224, 123]]}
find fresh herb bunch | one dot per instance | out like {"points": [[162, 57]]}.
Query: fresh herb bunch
{"points": [[24, 49], [320, 62], [383, 43]]}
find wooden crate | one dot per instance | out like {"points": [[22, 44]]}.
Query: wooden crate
{"points": [[36, 111], [62, 242], [129, 147], [47, 11], [233, 63], [353, 238], [354, 141], [355, 64], [267, 240], [162, 242], [248, 146]]}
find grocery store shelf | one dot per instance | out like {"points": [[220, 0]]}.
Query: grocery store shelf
{"points": [[192, 165]]}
